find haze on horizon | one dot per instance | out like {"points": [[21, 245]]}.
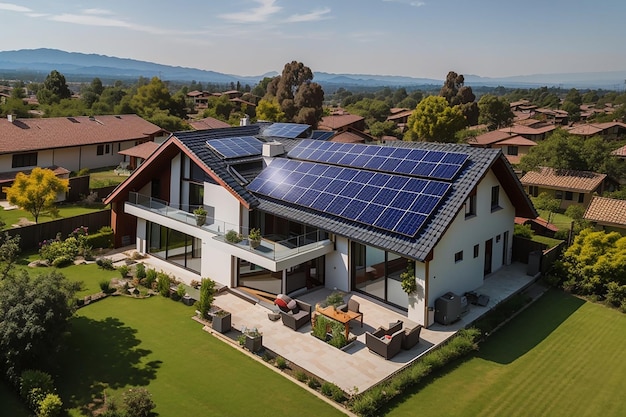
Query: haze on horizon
{"points": [[387, 37]]}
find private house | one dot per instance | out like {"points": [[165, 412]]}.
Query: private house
{"points": [[69, 143], [607, 214], [207, 123], [609, 130], [513, 146], [346, 216], [341, 122], [620, 152], [400, 117], [568, 186], [531, 133], [200, 98]]}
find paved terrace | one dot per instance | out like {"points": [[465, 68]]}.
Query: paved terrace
{"points": [[355, 367]]}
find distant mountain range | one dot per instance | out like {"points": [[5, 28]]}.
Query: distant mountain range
{"points": [[81, 67]]}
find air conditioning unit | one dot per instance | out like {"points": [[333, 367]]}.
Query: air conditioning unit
{"points": [[448, 308]]}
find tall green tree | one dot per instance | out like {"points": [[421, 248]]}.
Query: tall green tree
{"points": [[495, 112], [54, 89], [435, 121], [269, 110], [296, 94], [34, 314], [36, 193], [457, 93]]}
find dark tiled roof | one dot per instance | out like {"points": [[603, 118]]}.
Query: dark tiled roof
{"points": [[480, 160]]}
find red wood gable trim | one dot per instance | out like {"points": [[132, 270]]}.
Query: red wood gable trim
{"points": [[166, 151]]}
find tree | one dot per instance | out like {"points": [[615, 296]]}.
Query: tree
{"points": [[207, 294], [545, 201], [572, 109], [269, 110], [495, 112], [298, 97], [380, 129], [54, 89], [457, 93], [36, 193], [435, 121], [34, 313]]}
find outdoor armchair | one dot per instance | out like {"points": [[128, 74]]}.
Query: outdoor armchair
{"points": [[299, 318]]}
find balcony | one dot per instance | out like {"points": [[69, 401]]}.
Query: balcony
{"points": [[281, 250]]}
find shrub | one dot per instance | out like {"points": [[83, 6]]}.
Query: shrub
{"points": [[233, 237], [105, 263], [181, 291], [338, 338], [163, 284], [62, 261], [151, 275], [207, 295], [102, 239], [140, 271], [319, 329], [105, 286], [50, 406], [281, 363], [34, 386], [123, 270], [138, 402], [301, 376], [327, 389], [523, 230], [313, 383], [562, 234]]}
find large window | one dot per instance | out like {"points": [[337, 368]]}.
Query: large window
{"points": [[377, 273], [174, 246], [24, 160]]}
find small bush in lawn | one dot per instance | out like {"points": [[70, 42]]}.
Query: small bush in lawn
{"points": [[313, 383], [140, 271], [281, 363], [105, 263], [123, 270], [50, 406], [105, 286], [301, 376], [138, 402], [62, 261]]}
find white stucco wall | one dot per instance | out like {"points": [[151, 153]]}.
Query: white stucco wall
{"points": [[459, 277], [175, 182], [337, 275], [227, 207]]}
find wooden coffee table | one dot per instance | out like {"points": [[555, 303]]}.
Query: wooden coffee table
{"points": [[343, 317]]}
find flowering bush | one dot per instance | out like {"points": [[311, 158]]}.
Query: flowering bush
{"points": [[74, 245]]}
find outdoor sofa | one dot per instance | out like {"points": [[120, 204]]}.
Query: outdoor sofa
{"points": [[297, 317]]}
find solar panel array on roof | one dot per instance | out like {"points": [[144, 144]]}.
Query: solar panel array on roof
{"points": [[390, 202], [236, 147], [322, 135], [285, 130], [407, 161]]}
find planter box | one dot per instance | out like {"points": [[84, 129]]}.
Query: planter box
{"points": [[221, 323], [253, 344], [188, 301]]}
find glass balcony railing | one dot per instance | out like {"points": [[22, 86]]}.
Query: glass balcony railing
{"points": [[276, 247]]}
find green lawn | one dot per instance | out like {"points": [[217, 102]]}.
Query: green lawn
{"points": [[561, 357], [121, 342], [10, 217], [104, 177], [559, 220], [546, 240]]}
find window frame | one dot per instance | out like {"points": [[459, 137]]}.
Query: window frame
{"points": [[21, 160], [470, 205], [495, 198], [458, 257]]}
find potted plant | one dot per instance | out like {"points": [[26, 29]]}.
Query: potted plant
{"points": [[408, 283], [200, 214], [254, 238], [251, 339], [335, 299], [221, 321], [232, 236]]}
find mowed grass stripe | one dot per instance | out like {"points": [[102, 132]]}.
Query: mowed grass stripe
{"points": [[560, 357], [121, 342]]}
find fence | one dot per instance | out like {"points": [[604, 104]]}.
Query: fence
{"points": [[550, 255], [30, 236]]}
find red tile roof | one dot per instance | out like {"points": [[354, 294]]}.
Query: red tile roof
{"points": [[518, 141], [61, 132], [489, 138], [143, 150], [339, 121], [208, 123], [621, 152], [526, 130], [567, 180], [607, 210]]}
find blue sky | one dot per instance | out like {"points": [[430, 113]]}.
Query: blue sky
{"points": [[419, 38]]}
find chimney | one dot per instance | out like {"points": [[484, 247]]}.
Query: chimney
{"points": [[10, 118], [244, 121]]}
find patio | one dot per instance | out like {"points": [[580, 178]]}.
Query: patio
{"points": [[356, 367]]}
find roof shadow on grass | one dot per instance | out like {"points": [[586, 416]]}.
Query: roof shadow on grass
{"points": [[99, 355], [530, 328]]}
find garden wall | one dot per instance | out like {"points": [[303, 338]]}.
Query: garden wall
{"points": [[551, 255], [30, 236], [522, 247]]}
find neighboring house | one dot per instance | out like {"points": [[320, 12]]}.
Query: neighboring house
{"points": [[557, 117], [532, 133], [351, 135], [71, 143], [538, 225], [200, 98], [344, 216], [607, 214], [208, 123], [620, 152], [513, 146], [568, 186], [341, 122], [609, 130], [400, 117], [137, 154]]}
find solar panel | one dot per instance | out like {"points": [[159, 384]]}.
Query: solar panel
{"points": [[236, 147], [285, 130], [414, 162], [389, 202], [322, 135]]}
